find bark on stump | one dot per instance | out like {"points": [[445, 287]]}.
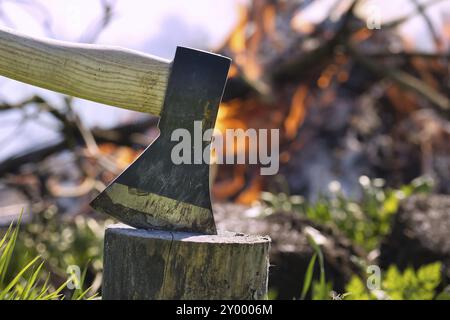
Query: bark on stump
{"points": [[153, 264]]}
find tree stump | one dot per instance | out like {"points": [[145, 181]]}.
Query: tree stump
{"points": [[154, 264]]}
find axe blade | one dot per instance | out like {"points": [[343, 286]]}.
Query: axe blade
{"points": [[153, 192]]}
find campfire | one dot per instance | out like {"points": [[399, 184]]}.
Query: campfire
{"points": [[329, 99]]}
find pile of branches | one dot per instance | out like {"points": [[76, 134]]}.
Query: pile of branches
{"points": [[349, 100]]}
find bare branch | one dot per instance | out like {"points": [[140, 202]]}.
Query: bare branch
{"points": [[402, 78]]}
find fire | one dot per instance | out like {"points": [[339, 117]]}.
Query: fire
{"points": [[249, 195], [229, 186], [297, 112], [121, 155], [255, 38]]}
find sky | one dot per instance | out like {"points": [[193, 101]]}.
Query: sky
{"points": [[153, 26]]}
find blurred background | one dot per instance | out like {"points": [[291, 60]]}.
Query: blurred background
{"points": [[359, 90]]}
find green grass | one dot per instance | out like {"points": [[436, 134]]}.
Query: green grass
{"points": [[29, 281], [62, 241]]}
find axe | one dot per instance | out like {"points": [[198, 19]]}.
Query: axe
{"points": [[153, 192]]}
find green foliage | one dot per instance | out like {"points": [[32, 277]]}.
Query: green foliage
{"points": [[62, 243], [365, 221], [444, 295], [25, 279], [26, 284], [357, 290], [321, 291], [396, 285]]}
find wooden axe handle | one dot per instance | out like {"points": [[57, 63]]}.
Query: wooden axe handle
{"points": [[110, 75]]}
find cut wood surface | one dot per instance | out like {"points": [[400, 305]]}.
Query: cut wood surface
{"points": [[109, 75], [150, 264]]}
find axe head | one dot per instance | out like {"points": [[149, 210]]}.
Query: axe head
{"points": [[153, 192]]}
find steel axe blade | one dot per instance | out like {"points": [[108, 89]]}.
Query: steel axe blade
{"points": [[153, 192]]}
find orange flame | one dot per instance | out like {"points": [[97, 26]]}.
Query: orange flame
{"points": [[296, 113]]}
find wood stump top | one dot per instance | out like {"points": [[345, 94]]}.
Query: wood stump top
{"points": [[224, 237]]}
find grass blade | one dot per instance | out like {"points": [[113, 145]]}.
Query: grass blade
{"points": [[322, 281], [17, 278], [31, 282], [308, 276]]}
